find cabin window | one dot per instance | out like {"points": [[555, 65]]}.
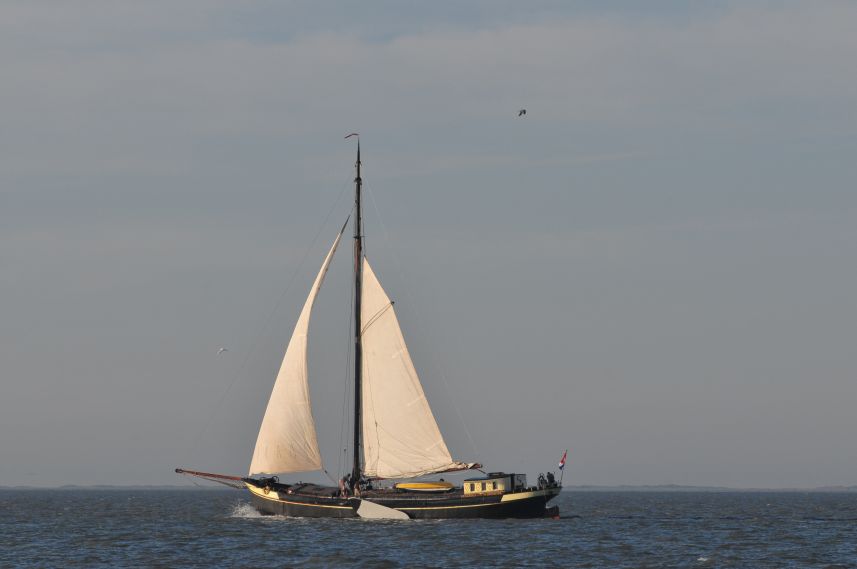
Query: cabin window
{"points": [[472, 487], [483, 486], [493, 485]]}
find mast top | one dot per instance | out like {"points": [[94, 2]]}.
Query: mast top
{"points": [[357, 179]]}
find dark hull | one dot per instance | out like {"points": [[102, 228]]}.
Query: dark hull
{"points": [[527, 504]]}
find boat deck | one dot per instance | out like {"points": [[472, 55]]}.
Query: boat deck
{"points": [[317, 491]]}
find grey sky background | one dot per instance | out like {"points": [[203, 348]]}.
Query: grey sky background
{"points": [[655, 267]]}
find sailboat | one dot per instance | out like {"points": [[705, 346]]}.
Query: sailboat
{"points": [[395, 435]]}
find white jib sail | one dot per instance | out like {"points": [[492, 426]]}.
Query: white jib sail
{"points": [[400, 435], [287, 440]]}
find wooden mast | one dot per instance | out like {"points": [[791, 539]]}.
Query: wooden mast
{"points": [[358, 348]]}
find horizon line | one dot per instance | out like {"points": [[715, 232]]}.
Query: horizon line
{"points": [[578, 487]]}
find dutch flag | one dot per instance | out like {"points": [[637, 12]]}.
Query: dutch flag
{"points": [[562, 460]]}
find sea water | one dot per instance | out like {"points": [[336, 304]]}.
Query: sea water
{"points": [[209, 528]]}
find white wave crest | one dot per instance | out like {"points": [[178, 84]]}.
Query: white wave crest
{"points": [[244, 510]]}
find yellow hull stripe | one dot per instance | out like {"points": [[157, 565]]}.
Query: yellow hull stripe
{"points": [[453, 507], [505, 499], [524, 495]]}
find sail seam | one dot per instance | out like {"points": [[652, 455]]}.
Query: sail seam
{"points": [[375, 317]]}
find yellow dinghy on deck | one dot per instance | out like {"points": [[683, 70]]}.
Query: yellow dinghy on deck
{"points": [[424, 486]]}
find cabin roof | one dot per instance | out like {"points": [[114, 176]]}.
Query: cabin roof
{"points": [[490, 476]]}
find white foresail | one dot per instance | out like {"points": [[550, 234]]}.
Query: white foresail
{"points": [[287, 440], [400, 435]]}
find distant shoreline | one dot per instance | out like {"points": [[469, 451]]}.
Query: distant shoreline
{"points": [[114, 487], [575, 488]]}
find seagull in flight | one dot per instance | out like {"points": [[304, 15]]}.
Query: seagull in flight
{"points": [[221, 350], [522, 112]]}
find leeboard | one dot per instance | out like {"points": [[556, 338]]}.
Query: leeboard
{"points": [[372, 511]]}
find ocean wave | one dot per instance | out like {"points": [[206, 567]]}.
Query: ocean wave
{"points": [[244, 510]]}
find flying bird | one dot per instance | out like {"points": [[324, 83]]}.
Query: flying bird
{"points": [[522, 112], [221, 350]]}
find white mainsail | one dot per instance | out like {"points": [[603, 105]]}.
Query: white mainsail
{"points": [[287, 440], [400, 435]]}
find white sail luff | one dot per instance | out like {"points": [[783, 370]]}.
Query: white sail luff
{"points": [[287, 439], [401, 438]]}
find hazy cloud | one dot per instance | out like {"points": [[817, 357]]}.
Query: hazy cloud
{"points": [[654, 266]]}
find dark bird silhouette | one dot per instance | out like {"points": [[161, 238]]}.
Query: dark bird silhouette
{"points": [[522, 112]]}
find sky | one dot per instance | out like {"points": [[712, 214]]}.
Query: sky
{"points": [[654, 267]]}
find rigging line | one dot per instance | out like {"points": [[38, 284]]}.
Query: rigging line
{"points": [[374, 418], [419, 319], [329, 477], [267, 323], [346, 392], [374, 318], [346, 383], [341, 231]]}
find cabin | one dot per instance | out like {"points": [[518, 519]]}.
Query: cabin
{"points": [[495, 482]]}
